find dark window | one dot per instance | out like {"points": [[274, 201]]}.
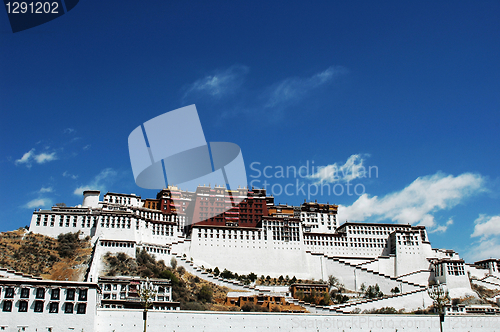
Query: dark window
{"points": [[54, 307], [83, 295], [9, 292], [38, 306], [68, 308], [55, 294], [7, 305], [40, 293], [70, 294], [25, 293], [23, 306], [82, 307]]}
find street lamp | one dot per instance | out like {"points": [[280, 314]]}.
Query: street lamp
{"points": [[147, 292], [440, 296]]}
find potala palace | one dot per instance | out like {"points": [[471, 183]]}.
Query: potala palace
{"points": [[261, 237], [206, 229]]}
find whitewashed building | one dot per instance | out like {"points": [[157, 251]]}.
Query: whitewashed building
{"points": [[305, 242], [34, 304]]}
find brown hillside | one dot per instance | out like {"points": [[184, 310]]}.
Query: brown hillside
{"points": [[64, 258]]}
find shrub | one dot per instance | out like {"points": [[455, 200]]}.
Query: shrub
{"points": [[251, 307], [384, 310], [167, 274], [173, 263], [193, 306], [205, 294]]}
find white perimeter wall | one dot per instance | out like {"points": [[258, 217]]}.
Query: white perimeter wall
{"points": [[109, 320]]}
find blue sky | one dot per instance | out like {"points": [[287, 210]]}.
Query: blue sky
{"points": [[406, 89]]}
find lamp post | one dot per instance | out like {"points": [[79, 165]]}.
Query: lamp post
{"points": [[147, 292], [440, 296]]}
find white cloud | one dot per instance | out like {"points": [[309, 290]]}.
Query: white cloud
{"points": [[442, 228], [86, 147], [30, 156], [25, 159], [45, 157], [222, 82], [352, 169], [45, 190], [68, 175], [487, 248], [486, 226], [417, 202], [69, 131], [99, 182], [38, 202], [292, 89]]}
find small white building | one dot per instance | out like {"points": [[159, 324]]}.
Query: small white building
{"points": [[32, 304], [123, 293]]}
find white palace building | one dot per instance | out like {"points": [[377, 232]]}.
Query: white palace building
{"points": [[260, 237], [205, 229]]}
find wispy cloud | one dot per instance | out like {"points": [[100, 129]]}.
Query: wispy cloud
{"points": [[486, 226], [487, 229], [99, 182], [29, 157], [38, 202], [68, 175], [25, 159], [45, 157], [292, 89], [86, 147], [442, 228], [271, 100], [416, 203], [352, 169], [69, 131], [219, 83], [45, 190], [484, 249]]}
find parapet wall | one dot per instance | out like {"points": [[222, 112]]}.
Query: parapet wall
{"points": [[108, 320]]}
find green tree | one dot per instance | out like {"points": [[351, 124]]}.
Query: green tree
{"points": [[252, 277], [216, 271], [395, 290], [205, 294], [167, 274]]}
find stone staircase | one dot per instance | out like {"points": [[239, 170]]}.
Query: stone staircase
{"points": [[365, 270], [381, 302], [11, 274], [486, 284], [494, 280], [200, 273]]}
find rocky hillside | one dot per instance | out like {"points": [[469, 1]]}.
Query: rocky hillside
{"points": [[64, 258]]}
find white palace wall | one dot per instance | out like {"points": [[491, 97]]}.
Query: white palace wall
{"points": [[109, 320], [356, 254], [263, 257]]}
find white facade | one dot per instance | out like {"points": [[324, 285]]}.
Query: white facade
{"points": [[33, 304], [391, 255]]}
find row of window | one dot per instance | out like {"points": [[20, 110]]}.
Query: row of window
{"points": [[38, 306], [117, 199], [117, 244], [40, 293], [342, 244]]}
